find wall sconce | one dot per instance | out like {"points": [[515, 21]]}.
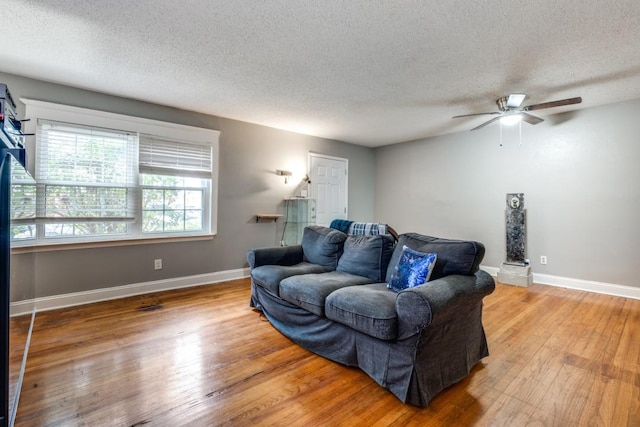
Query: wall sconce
{"points": [[284, 173], [304, 191]]}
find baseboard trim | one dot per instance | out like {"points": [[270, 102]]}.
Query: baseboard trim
{"points": [[87, 297], [105, 294], [20, 308], [578, 284]]}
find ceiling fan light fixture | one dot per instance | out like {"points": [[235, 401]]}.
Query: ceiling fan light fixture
{"points": [[515, 100], [510, 119]]}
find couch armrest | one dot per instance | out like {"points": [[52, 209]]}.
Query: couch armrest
{"points": [[436, 301], [277, 255]]}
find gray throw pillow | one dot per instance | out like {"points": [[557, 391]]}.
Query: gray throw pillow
{"points": [[367, 256], [322, 245]]}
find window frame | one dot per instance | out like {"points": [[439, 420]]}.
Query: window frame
{"points": [[142, 187], [36, 110]]}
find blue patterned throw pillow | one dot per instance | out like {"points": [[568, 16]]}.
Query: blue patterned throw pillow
{"points": [[413, 269]]}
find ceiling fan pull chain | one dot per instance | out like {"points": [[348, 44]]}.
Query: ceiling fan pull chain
{"points": [[520, 131]]}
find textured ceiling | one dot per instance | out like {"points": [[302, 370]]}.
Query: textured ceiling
{"points": [[367, 72]]}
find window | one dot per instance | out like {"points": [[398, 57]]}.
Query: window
{"points": [[86, 179], [175, 178], [172, 203], [103, 176]]}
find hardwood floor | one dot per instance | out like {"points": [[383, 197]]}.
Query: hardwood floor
{"points": [[202, 357]]}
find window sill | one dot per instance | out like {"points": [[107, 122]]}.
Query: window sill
{"points": [[105, 244]]}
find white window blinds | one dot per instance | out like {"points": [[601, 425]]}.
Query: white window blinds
{"points": [[23, 202], [85, 173], [177, 158]]}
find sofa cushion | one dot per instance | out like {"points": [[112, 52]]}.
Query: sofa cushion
{"points": [[454, 256], [270, 276], [367, 256], [413, 269], [322, 245], [370, 309], [309, 291]]}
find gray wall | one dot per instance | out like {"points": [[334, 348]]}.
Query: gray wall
{"points": [[580, 173], [249, 156]]}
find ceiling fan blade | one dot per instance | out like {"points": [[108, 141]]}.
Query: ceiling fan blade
{"points": [[559, 103], [530, 118], [488, 122], [475, 114]]}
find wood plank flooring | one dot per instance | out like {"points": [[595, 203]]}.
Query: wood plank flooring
{"points": [[202, 357]]}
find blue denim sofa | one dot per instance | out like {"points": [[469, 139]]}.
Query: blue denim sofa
{"points": [[329, 294]]}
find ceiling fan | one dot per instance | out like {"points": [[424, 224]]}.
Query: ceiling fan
{"points": [[511, 112]]}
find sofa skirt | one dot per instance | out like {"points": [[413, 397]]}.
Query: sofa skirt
{"points": [[414, 369]]}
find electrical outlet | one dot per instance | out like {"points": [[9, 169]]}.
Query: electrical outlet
{"points": [[157, 264], [543, 259]]}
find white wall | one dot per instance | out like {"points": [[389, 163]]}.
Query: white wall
{"points": [[580, 173]]}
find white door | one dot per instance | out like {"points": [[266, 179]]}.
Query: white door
{"points": [[329, 187]]}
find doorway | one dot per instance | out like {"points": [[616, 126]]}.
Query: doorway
{"points": [[329, 177]]}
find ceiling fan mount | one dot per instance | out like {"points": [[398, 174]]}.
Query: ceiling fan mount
{"points": [[510, 102], [509, 108]]}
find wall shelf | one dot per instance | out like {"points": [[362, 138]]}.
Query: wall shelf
{"points": [[268, 217]]}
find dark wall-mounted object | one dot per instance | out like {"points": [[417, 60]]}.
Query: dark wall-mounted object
{"points": [[11, 146]]}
